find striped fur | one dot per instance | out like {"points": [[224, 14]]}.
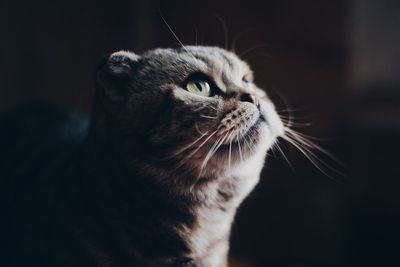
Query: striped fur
{"points": [[156, 132], [157, 178]]}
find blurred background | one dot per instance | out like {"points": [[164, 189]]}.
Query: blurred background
{"points": [[335, 64]]}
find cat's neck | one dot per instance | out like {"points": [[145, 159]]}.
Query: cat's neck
{"points": [[181, 226]]}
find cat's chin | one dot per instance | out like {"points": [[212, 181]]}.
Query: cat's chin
{"points": [[256, 141], [249, 139]]}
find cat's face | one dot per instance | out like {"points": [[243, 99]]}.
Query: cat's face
{"points": [[193, 109]]}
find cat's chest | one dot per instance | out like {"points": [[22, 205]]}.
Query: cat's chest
{"points": [[209, 237]]}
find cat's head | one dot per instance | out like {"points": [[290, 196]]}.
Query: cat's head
{"points": [[190, 110]]}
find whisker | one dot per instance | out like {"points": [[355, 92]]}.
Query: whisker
{"points": [[208, 117], [284, 156], [198, 129], [292, 118], [231, 184], [240, 150], [258, 56], [306, 150], [272, 149], [183, 161], [230, 154], [290, 109], [195, 30], [204, 106], [238, 36], [249, 146], [306, 138], [246, 143], [188, 146], [211, 152], [176, 36], [225, 30], [310, 158], [305, 141], [289, 124], [245, 52]]}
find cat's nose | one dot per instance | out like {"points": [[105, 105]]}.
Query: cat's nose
{"points": [[245, 97]]}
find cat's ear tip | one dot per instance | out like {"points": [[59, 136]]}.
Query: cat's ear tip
{"points": [[122, 57], [120, 62], [124, 54]]}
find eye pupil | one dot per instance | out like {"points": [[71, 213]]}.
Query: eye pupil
{"points": [[198, 85]]}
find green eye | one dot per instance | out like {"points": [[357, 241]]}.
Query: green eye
{"points": [[198, 87]]}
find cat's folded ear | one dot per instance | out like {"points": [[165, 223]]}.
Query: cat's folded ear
{"points": [[114, 74]]}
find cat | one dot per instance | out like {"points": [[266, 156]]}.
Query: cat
{"points": [[177, 139]]}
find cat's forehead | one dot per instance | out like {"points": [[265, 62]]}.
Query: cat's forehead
{"points": [[213, 61]]}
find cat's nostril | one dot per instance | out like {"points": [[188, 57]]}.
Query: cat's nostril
{"points": [[250, 98]]}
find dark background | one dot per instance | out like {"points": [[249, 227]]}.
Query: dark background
{"points": [[336, 63]]}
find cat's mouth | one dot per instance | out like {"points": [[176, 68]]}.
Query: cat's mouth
{"points": [[250, 131], [248, 138]]}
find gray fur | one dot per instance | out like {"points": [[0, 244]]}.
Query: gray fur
{"points": [[144, 109], [157, 178]]}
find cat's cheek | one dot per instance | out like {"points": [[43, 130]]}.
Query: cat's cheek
{"points": [[274, 123], [266, 139]]}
